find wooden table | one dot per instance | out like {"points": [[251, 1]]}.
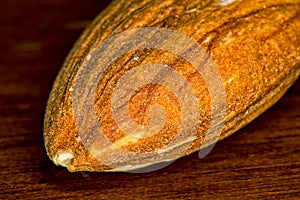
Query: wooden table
{"points": [[260, 161]]}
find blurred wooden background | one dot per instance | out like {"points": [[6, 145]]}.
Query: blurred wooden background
{"points": [[261, 161]]}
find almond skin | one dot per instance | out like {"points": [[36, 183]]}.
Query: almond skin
{"points": [[254, 44]]}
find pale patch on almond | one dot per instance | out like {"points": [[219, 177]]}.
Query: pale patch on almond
{"points": [[226, 2], [63, 158]]}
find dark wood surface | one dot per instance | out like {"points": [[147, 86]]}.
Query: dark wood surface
{"points": [[260, 161]]}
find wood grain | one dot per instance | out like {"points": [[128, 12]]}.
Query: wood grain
{"points": [[261, 161]]}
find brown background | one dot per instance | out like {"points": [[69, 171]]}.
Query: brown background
{"points": [[260, 161]]}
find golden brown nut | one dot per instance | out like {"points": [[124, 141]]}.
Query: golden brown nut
{"points": [[254, 57]]}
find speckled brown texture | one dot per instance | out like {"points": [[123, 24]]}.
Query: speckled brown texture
{"points": [[255, 45]]}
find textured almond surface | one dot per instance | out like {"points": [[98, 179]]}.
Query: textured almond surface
{"points": [[254, 44]]}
